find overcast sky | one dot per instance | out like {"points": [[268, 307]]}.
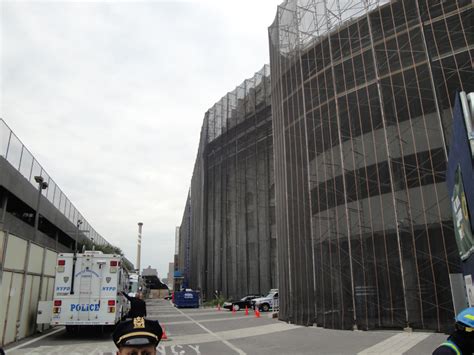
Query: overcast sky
{"points": [[110, 97]]}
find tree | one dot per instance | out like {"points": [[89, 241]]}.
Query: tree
{"points": [[109, 249]]}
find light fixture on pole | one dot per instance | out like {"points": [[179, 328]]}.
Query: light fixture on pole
{"points": [[42, 185], [78, 225]]}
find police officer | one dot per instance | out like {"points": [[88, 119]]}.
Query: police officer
{"points": [[461, 341], [138, 336], [137, 306]]}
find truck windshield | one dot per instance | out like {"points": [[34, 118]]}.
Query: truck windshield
{"points": [[133, 286]]}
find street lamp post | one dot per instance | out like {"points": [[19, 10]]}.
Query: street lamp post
{"points": [[74, 258], [42, 185], [78, 225]]}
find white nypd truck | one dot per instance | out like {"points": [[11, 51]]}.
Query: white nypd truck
{"points": [[87, 291]]}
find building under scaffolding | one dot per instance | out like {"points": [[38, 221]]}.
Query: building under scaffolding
{"points": [[229, 222], [183, 260], [362, 97]]}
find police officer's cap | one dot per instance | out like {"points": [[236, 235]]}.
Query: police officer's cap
{"points": [[465, 319], [137, 332]]}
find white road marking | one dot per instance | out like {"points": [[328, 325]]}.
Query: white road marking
{"points": [[207, 320], [396, 345], [159, 315], [230, 334], [36, 339], [237, 350], [102, 348]]}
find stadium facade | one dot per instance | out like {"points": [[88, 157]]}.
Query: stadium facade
{"points": [[362, 104], [227, 235]]}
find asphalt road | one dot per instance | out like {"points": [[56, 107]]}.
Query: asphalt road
{"points": [[212, 332]]}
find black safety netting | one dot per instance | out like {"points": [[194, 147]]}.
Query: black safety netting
{"points": [[229, 227], [362, 97]]}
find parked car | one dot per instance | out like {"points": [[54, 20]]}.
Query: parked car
{"points": [[240, 304], [268, 302]]}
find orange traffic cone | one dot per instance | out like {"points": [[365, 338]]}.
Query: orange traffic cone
{"points": [[164, 337], [257, 313], [233, 310], [246, 311]]}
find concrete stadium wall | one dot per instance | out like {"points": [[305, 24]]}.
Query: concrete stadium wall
{"points": [[158, 294], [27, 273]]}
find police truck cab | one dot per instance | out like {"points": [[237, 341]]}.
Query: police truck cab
{"points": [[87, 291]]}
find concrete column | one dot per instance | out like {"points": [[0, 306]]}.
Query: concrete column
{"points": [[3, 206], [3, 254]]}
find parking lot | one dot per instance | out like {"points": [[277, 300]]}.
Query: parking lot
{"points": [[213, 332]]}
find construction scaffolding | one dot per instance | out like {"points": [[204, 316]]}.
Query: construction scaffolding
{"points": [[362, 97], [231, 238], [184, 243]]}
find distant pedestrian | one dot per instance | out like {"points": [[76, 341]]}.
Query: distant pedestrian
{"points": [[461, 341], [137, 306], [138, 336]]}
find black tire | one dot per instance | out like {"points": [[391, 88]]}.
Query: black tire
{"points": [[265, 307]]}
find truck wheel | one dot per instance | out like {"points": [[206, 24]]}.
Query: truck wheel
{"points": [[265, 307]]}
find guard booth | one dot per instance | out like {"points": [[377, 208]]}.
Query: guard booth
{"points": [[178, 281], [460, 181]]}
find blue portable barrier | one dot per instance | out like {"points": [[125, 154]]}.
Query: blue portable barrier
{"points": [[188, 299]]}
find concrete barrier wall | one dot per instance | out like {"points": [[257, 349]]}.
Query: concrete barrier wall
{"points": [[25, 269], [155, 294]]}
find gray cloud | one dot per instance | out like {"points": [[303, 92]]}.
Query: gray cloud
{"points": [[110, 96]]}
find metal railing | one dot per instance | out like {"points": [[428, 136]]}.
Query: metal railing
{"points": [[15, 152]]}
